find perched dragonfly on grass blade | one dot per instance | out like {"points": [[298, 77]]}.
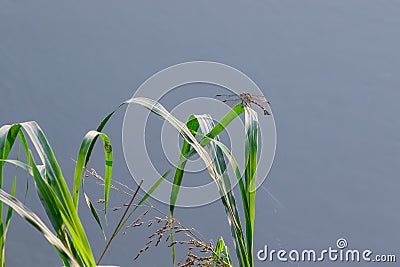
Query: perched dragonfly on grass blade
{"points": [[246, 99]]}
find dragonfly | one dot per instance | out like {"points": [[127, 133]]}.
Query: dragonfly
{"points": [[246, 99]]}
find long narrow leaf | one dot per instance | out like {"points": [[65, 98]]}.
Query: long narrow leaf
{"points": [[57, 184], [251, 145], [94, 213], [35, 221], [8, 135], [226, 193], [192, 125], [83, 156], [10, 210], [52, 189]]}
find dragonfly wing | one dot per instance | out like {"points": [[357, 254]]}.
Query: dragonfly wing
{"points": [[262, 105], [228, 95], [228, 98], [259, 99]]}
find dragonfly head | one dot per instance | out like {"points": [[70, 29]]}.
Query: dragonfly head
{"points": [[246, 97]]}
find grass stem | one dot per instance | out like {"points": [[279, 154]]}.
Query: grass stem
{"points": [[119, 223]]}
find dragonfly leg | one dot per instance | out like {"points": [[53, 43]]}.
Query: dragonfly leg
{"points": [[264, 109], [245, 103]]}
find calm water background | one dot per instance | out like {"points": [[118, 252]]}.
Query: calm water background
{"points": [[330, 68]]}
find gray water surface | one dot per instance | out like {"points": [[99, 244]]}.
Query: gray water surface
{"points": [[330, 68]]}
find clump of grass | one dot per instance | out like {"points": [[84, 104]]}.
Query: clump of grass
{"points": [[215, 156], [69, 239], [62, 207]]}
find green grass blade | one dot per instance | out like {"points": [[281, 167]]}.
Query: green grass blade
{"points": [[234, 165], [36, 222], [222, 252], [4, 228], [251, 146], [51, 187], [47, 157], [217, 129], [192, 125], [226, 193], [13, 189], [10, 210], [101, 127], [8, 135], [55, 196], [57, 184], [94, 213], [67, 218], [83, 157], [27, 156]]}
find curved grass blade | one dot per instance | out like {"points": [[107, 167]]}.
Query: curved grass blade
{"points": [[55, 219], [8, 135], [153, 106], [55, 211], [7, 138], [100, 128], [56, 183], [36, 222], [51, 188], [224, 122], [83, 157]]}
